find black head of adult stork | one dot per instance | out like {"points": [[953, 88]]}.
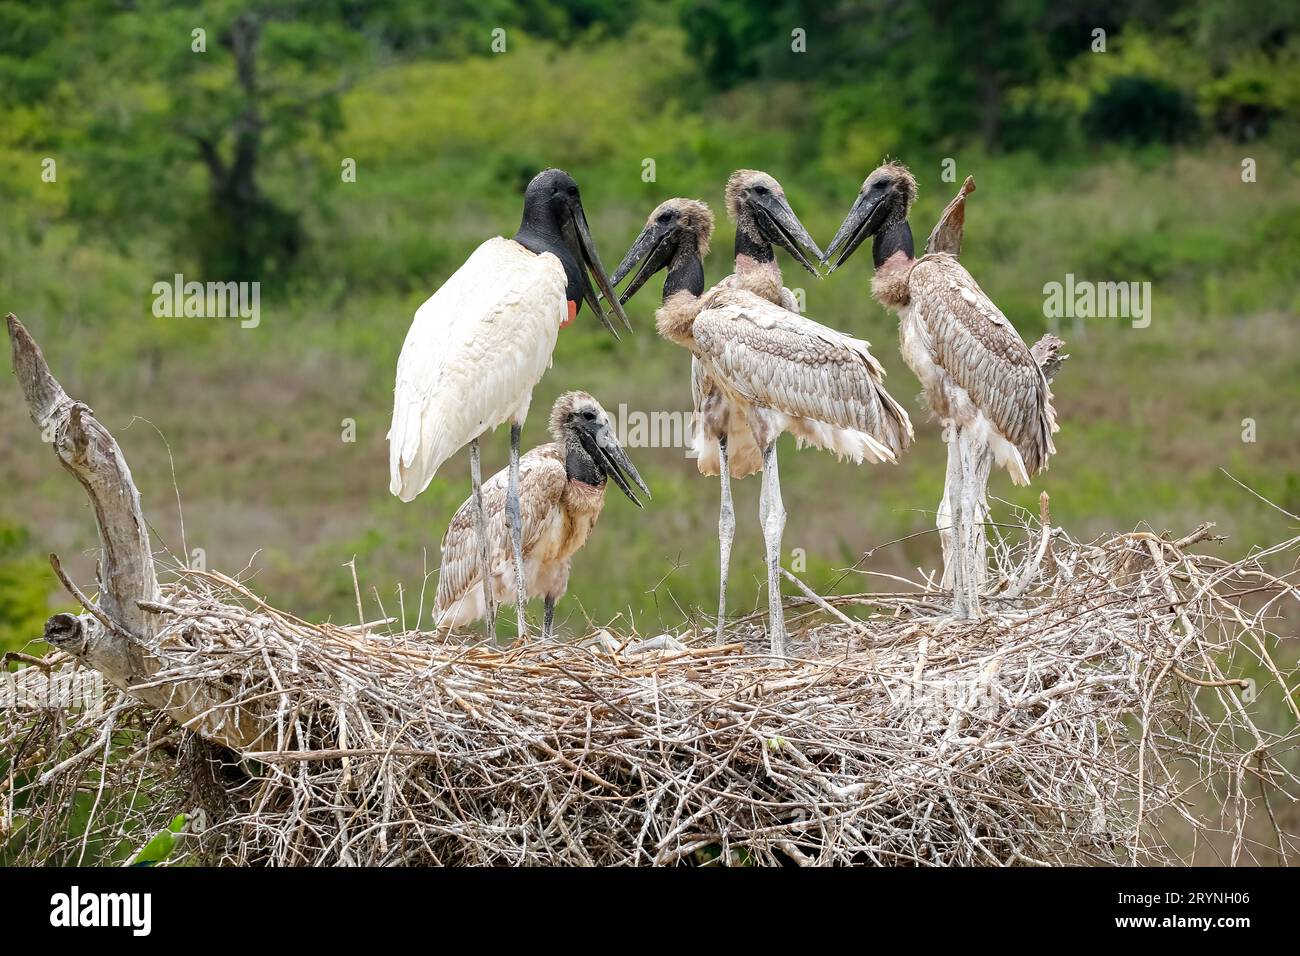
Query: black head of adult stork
{"points": [[592, 452], [554, 222], [763, 217], [881, 211]]}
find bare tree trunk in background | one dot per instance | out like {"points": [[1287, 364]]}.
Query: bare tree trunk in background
{"points": [[990, 108], [250, 228], [239, 194]]}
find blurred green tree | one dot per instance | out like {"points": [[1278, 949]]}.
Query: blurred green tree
{"points": [[229, 88], [1141, 110]]}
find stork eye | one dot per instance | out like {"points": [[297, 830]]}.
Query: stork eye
{"points": [[589, 415], [882, 184], [761, 190], [665, 217], [573, 190]]}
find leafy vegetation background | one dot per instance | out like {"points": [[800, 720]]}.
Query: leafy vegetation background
{"points": [[1121, 165]]}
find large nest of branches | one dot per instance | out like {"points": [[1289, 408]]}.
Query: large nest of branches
{"points": [[1097, 703]]}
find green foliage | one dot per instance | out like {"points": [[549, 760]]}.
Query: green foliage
{"points": [[24, 592], [1141, 110]]}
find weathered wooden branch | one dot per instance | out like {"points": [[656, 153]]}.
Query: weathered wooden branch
{"points": [[117, 636]]}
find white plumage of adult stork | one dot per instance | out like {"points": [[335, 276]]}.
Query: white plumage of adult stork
{"points": [[774, 367], [561, 494], [479, 345], [981, 381]]}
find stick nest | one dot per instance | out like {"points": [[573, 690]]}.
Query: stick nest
{"points": [[1104, 695]]}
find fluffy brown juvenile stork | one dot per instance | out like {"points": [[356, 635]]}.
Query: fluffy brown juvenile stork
{"points": [[561, 494], [772, 371], [981, 380]]}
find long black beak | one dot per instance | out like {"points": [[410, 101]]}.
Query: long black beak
{"points": [[653, 249], [782, 226], [609, 454], [577, 235], [864, 218]]}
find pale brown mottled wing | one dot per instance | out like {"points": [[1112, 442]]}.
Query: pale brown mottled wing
{"points": [[974, 342], [541, 483], [703, 387], [778, 359]]}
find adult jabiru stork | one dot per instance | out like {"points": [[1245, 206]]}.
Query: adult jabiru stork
{"points": [[479, 345], [561, 494], [776, 370], [981, 380]]}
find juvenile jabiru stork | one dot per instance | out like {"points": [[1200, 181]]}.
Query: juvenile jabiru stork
{"points": [[479, 345], [561, 494], [775, 370], [981, 381], [947, 237], [723, 442]]}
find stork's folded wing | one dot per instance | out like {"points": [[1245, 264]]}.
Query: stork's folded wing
{"points": [[974, 342], [474, 352], [780, 360], [541, 483]]}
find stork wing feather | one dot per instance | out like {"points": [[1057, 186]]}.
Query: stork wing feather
{"points": [[541, 483], [702, 385], [948, 231], [975, 343], [778, 359], [474, 352], [788, 301]]}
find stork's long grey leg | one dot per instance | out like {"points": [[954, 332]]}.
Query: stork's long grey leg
{"points": [[517, 528], [726, 534], [773, 515], [981, 466], [548, 619], [485, 563], [956, 497], [971, 528], [944, 518]]}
